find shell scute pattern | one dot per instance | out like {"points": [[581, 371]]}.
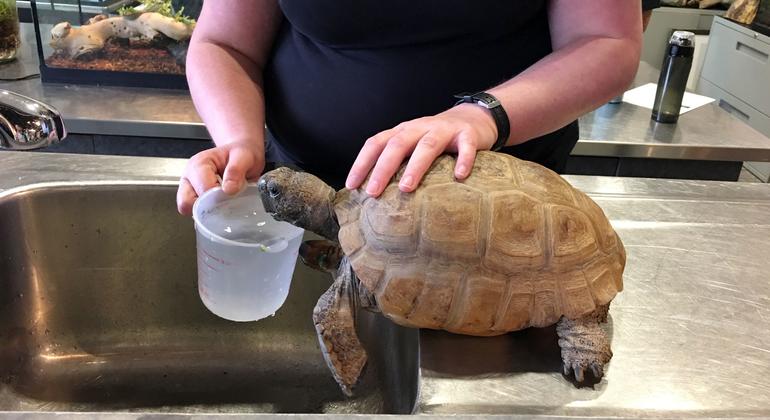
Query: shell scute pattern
{"points": [[451, 222], [428, 307], [605, 234], [515, 312], [493, 172], [572, 235], [544, 184], [401, 293], [477, 302], [392, 221], [516, 233], [512, 246], [441, 172]]}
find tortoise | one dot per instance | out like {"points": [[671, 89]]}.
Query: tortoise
{"points": [[512, 246]]}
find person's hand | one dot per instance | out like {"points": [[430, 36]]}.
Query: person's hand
{"points": [[463, 129], [235, 162]]}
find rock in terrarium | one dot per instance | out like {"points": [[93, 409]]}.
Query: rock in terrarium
{"points": [[151, 38]]}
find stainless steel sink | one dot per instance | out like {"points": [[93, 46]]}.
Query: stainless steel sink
{"points": [[99, 311]]}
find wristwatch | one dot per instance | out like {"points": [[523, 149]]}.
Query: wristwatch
{"points": [[494, 106]]}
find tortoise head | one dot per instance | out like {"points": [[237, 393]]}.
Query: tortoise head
{"points": [[301, 199]]}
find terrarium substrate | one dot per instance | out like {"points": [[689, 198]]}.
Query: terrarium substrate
{"points": [[136, 56]]}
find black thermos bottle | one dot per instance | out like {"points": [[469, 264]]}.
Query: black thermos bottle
{"points": [[673, 77]]}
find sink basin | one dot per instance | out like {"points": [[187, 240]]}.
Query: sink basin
{"points": [[99, 311]]}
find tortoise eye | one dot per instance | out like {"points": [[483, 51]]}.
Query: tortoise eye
{"points": [[273, 189]]}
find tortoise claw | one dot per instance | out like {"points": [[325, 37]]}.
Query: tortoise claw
{"points": [[585, 348], [597, 370], [579, 373]]}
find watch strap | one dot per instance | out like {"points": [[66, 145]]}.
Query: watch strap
{"points": [[494, 106]]}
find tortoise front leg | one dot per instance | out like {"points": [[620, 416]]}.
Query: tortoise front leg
{"points": [[335, 324], [584, 345], [321, 255]]}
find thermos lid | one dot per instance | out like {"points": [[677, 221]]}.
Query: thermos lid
{"points": [[682, 38]]}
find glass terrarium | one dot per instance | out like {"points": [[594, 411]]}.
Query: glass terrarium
{"points": [[114, 42], [9, 30]]}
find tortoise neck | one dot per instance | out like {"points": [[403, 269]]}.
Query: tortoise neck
{"points": [[322, 220], [330, 228]]}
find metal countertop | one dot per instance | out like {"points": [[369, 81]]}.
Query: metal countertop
{"points": [[614, 130], [106, 110], [689, 332], [705, 133]]}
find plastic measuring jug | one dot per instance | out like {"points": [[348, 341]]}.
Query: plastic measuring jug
{"points": [[246, 258]]}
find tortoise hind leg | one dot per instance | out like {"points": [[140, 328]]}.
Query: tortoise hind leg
{"points": [[584, 345], [335, 324]]}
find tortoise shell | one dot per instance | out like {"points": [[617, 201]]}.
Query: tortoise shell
{"points": [[512, 246]]}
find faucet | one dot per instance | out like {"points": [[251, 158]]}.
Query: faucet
{"points": [[27, 124]]}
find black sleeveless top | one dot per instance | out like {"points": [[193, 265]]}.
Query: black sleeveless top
{"points": [[342, 70]]}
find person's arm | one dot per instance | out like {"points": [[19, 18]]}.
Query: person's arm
{"points": [[227, 53], [596, 49], [647, 7], [596, 54]]}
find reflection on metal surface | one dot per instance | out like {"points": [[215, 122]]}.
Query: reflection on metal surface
{"points": [[707, 133], [689, 332], [100, 311], [666, 399], [28, 124]]}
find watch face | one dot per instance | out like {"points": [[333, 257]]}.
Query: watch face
{"points": [[481, 99], [486, 100]]}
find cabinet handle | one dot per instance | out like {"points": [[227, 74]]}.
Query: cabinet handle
{"points": [[733, 110], [752, 52]]}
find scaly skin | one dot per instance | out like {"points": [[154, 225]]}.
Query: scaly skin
{"points": [[300, 199], [321, 255], [334, 318], [584, 345]]}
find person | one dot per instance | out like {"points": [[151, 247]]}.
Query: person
{"points": [[349, 87], [647, 7]]}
